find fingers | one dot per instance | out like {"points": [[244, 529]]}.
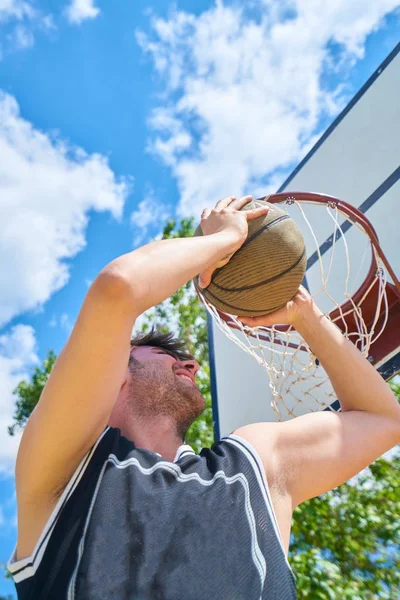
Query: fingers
{"points": [[206, 213], [233, 202], [255, 213], [225, 202], [239, 203]]}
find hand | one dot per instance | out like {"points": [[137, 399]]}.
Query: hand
{"points": [[298, 308], [228, 218]]}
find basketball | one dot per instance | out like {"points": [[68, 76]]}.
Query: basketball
{"points": [[266, 272]]}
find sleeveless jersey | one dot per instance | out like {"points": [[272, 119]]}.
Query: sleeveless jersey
{"points": [[131, 525]]}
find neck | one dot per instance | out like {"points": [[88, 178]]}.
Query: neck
{"points": [[158, 435]]}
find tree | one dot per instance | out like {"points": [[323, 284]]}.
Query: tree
{"points": [[345, 544], [28, 392]]}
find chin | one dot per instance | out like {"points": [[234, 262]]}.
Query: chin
{"points": [[200, 406], [195, 404]]}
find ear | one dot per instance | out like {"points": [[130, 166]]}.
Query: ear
{"points": [[125, 380]]}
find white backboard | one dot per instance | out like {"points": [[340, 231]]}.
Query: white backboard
{"points": [[356, 160]]}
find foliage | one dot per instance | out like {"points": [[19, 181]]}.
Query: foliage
{"points": [[28, 392], [345, 544], [395, 385]]}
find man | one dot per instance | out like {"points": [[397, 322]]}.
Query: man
{"points": [[113, 505]]}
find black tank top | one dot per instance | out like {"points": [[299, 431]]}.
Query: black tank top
{"points": [[131, 525]]}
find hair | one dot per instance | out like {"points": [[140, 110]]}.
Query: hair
{"points": [[167, 341]]}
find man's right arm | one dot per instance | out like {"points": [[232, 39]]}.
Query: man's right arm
{"points": [[80, 393]]}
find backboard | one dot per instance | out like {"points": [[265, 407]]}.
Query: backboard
{"points": [[356, 160]]}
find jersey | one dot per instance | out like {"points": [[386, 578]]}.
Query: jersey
{"points": [[132, 525]]}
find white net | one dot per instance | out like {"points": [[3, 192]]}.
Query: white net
{"points": [[339, 258]]}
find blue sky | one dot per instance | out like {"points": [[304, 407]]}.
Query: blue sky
{"points": [[116, 116]]}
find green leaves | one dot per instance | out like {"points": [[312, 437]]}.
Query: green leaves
{"points": [[28, 393], [347, 541]]}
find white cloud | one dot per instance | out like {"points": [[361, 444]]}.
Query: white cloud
{"points": [[63, 321], [47, 188], [15, 9], [244, 95], [24, 19], [48, 23], [66, 323], [80, 10], [17, 356], [150, 213], [21, 20], [22, 37]]}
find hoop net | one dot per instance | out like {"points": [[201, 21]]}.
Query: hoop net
{"points": [[350, 287]]}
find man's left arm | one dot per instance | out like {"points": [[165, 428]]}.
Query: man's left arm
{"points": [[317, 452]]}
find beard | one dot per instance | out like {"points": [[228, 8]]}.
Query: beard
{"points": [[156, 391]]}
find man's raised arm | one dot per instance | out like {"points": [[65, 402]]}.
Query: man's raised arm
{"points": [[80, 393], [322, 450]]}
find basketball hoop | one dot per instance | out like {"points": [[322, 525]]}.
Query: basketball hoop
{"points": [[366, 309]]}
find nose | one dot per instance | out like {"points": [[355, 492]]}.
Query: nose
{"points": [[190, 365]]}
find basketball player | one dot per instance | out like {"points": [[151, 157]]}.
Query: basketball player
{"points": [[113, 505]]}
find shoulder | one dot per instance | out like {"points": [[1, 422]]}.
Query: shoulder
{"points": [[262, 439]]}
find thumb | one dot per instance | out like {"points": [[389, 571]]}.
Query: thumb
{"points": [[256, 321], [205, 277], [264, 320], [278, 316]]}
